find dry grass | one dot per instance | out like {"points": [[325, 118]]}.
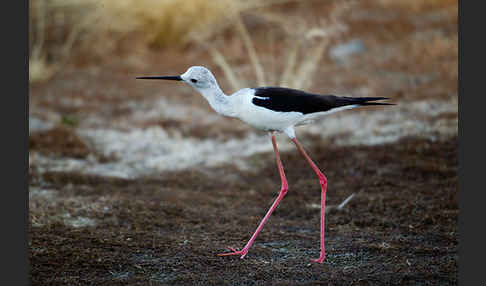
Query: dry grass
{"points": [[418, 5], [169, 22], [56, 29], [305, 45], [62, 29]]}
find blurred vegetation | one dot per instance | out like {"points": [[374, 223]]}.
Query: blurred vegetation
{"points": [[61, 29], [88, 30]]}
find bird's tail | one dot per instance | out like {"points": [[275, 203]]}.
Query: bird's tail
{"points": [[363, 101]]}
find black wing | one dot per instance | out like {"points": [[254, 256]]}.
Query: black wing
{"points": [[287, 100]]}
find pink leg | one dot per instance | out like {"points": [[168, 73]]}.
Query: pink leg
{"points": [[323, 182], [282, 193]]}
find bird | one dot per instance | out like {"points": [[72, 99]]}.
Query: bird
{"points": [[274, 110]]}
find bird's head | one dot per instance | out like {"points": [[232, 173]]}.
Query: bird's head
{"points": [[198, 77]]}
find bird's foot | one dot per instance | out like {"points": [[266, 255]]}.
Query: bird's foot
{"points": [[320, 259], [242, 252]]}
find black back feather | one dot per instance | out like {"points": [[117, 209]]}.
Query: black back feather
{"points": [[287, 100]]}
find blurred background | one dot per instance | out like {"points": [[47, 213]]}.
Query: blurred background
{"points": [[89, 114]]}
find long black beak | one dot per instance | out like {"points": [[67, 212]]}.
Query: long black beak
{"points": [[177, 77]]}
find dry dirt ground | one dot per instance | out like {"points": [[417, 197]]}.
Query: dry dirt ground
{"points": [[400, 228], [142, 184]]}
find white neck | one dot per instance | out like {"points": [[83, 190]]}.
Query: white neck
{"points": [[220, 102]]}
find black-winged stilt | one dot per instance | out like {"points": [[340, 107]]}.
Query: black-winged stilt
{"points": [[273, 109]]}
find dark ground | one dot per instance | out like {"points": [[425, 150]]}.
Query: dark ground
{"points": [[401, 228]]}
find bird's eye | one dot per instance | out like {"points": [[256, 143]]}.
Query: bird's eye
{"points": [[194, 80]]}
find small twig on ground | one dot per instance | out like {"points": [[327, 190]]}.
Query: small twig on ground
{"points": [[339, 207], [345, 201]]}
